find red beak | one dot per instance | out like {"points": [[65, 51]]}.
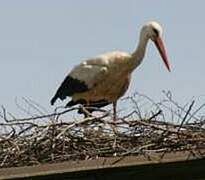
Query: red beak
{"points": [[160, 46]]}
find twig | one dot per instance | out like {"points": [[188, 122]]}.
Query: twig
{"points": [[49, 138], [187, 113]]}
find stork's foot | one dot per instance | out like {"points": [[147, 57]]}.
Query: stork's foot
{"points": [[85, 112]]}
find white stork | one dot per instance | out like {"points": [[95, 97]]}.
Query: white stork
{"points": [[102, 80]]}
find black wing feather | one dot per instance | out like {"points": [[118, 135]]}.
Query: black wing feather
{"points": [[68, 87]]}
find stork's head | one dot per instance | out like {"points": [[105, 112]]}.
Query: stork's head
{"points": [[153, 30]]}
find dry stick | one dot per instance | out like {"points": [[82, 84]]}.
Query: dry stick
{"points": [[187, 113], [79, 145], [33, 106], [138, 112], [177, 105], [49, 115], [150, 100], [22, 109], [132, 151], [38, 105], [88, 119], [155, 115], [196, 111], [174, 112], [36, 117], [18, 123], [155, 126], [25, 130], [4, 160], [4, 113]]}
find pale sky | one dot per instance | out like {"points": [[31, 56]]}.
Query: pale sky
{"points": [[41, 40]]}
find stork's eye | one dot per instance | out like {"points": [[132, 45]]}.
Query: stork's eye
{"points": [[156, 31]]}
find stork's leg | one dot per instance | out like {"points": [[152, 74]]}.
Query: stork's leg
{"points": [[115, 111], [113, 126]]}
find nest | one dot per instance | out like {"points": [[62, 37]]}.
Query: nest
{"points": [[146, 127]]}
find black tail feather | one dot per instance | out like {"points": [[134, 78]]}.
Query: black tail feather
{"points": [[53, 100], [68, 87]]}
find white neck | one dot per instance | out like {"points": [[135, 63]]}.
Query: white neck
{"points": [[138, 54]]}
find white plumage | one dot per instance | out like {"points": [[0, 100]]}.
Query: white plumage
{"points": [[102, 80], [97, 71]]}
